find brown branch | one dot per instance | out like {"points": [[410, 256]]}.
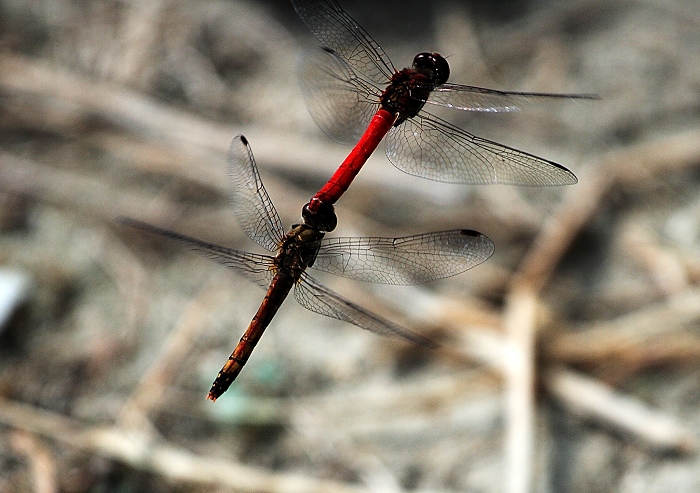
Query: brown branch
{"points": [[151, 388], [591, 399], [176, 464], [629, 167], [81, 98], [579, 206], [40, 459], [640, 337], [519, 321]]}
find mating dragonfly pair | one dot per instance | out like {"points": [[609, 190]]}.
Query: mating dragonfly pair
{"points": [[355, 94]]}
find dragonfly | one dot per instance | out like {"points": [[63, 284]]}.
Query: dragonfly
{"points": [[403, 261], [356, 95]]}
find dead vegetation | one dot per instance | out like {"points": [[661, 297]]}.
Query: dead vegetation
{"points": [[569, 361]]}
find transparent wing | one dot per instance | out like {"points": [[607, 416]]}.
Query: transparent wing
{"points": [[251, 204], [339, 32], [257, 268], [471, 98], [340, 103], [432, 148], [317, 298], [407, 260]]}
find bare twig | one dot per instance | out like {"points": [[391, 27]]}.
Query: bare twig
{"points": [[634, 338], [179, 343], [589, 398], [519, 321], [628, 167], [40, 459], [578, 207], [176, 464], [82, 98]]}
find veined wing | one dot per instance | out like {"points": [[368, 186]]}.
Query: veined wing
{"points": [[472, 98], [257, 268], [251, 204], [432, 148], [406, 260], [317, 298], [340, 103], [337, 31]]}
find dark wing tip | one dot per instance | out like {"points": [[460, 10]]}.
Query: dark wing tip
{"points": [[594, 97], [568, 178], [490, 245], [243, 139], [572, 179]]}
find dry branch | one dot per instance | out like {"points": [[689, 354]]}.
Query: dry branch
{"points": [[591, 399], [580, 205], [648, 335], [70, 101], [40, 459], [174, 463]]}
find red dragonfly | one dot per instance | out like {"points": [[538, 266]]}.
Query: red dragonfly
{"points": [[405, 260], [355, 94]]}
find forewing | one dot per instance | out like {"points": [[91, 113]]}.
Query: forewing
{"points": [[406, 260], [317, 298], [339, 102], [257, 268], [471, 98], [432, 148], [337, 31], [251, 203]]}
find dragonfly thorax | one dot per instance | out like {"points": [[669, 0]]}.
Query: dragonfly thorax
{"points": [[406, 94], [298, 250]]}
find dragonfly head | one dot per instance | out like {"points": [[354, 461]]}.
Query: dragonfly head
{"points": [[319, 215], [433, 65]]}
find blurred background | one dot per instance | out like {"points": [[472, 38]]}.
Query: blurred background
{"points": [[569, 360]]}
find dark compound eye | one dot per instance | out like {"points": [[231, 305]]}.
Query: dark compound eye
{"points": [[433, 65]]}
